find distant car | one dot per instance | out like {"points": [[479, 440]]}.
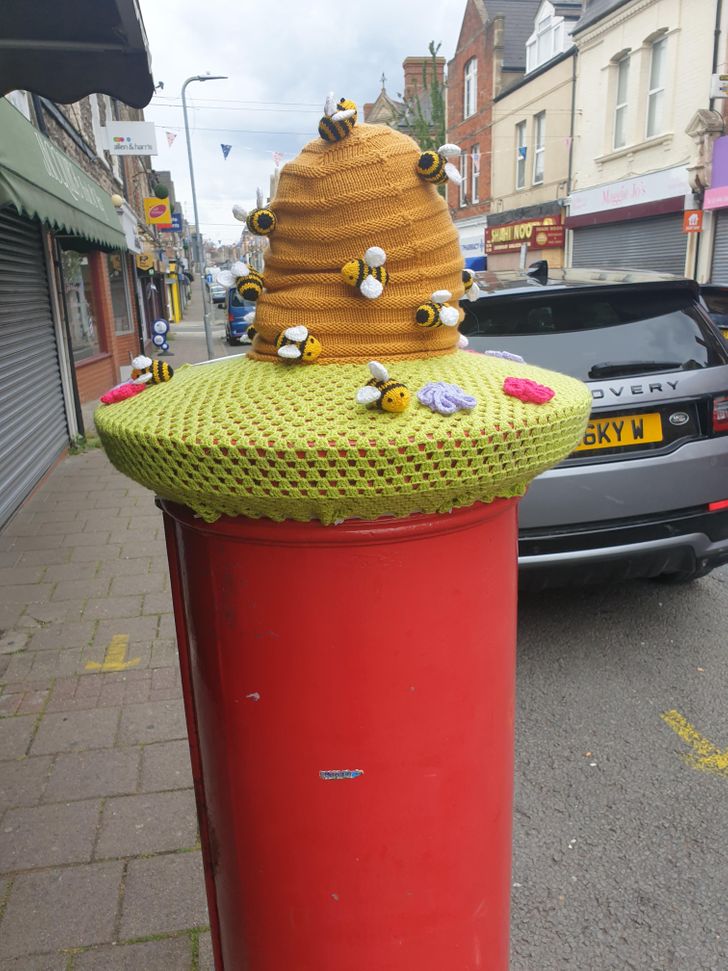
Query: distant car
{"points": [[716, 300], [645, 494], [218, 294], [237, 309]]}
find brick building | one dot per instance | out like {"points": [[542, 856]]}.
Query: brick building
{"points": [[398, 112], [489, 58]]}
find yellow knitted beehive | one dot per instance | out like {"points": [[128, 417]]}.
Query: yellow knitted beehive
{"points": [[270, 435]]}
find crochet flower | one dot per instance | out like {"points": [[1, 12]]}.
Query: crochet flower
{"points": [[444, 398], [528, 391], [121, 392], [506, 355]]}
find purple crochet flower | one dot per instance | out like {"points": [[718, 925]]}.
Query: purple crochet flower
{"points": [[506, 355], [444, 398]]}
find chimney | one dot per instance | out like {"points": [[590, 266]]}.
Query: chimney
{"points": [[413, 67]]}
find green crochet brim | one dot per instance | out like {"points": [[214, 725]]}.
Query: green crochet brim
{"points": [[247, 438]]}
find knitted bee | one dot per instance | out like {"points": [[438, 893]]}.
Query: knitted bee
{"points": [[434, 166], [247, 281], [338, 119], [146, 371], [261, 221], [472, 290], [368, 274], [296, 344], [382, 392], [437, 312]]}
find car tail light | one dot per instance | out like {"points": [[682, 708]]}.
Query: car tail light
{"points": [[720, 414], [230, 318], [715, 506]]}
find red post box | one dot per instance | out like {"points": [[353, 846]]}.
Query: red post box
{"points": [[340, 510]]}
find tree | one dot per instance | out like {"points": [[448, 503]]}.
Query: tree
{"points": [[424, 114]]}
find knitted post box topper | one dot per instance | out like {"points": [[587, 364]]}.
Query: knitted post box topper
{"points": [[264, 434]]}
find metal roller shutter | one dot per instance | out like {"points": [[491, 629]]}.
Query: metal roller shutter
{"points": [[33, 430], [656, 244], [720, 250]]}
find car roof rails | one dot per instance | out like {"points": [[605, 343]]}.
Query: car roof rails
{"points": [[539, 272]]}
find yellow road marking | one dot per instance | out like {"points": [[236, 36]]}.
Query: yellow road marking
{"points": [[115, 656], [705, 756]]}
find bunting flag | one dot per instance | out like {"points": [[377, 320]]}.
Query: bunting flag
{"points": [[521, 151], [277, 158], [171, 135], [225, 150]]}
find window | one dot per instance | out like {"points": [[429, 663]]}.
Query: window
{"points": [[79, 303], [116, 263], [464, 183], [521, 155], [620, 106], [470, 88], [656, 92], [474, 193], [539, 133], [548, 39]]}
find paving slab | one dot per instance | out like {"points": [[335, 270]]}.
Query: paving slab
{"points": [[61, 908], [101, 772], [38, 962], [173, 954], [61, 636], [166, 765], [22, 782], [39, 836], [205, 961], [15, 735], [164, 894], [157, 722], [74, 731], [148, 823]]}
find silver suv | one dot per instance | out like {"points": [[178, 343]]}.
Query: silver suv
{"points": [[646, 492]]}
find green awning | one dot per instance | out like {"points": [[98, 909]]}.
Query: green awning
{"points": [[41, 181]]}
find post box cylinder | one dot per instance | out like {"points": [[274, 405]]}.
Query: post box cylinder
{"points": [[350, 695]]}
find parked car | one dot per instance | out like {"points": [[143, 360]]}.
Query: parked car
{"points": [[218, 293], [716, 300], [645, 494], [237, 309]]}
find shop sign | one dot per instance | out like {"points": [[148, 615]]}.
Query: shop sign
{"points": [[536, 233], [157, 211], [176, 224], [131, 138], [716, 197], [693, 221], [144, 261], [667, 184]]}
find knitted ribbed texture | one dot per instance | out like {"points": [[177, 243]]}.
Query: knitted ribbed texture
{"points": [[247, 438], [334, 201]]}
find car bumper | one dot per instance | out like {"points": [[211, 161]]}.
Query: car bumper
{"points": [[621, 550]]}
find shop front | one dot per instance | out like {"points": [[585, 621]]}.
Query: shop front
{"points": [[715, 205], [633, 224], [536, 234], [60, 243], [472, 241]]}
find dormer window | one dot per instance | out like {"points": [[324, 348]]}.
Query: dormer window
{"points": [[550, 37]]}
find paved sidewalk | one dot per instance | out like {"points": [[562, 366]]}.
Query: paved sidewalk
{"points": [[100, 864]]}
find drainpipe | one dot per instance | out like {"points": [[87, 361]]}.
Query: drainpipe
{"points": [[716, 42]]}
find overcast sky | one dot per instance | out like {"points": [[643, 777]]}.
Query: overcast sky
{"points": [[283, 53]]}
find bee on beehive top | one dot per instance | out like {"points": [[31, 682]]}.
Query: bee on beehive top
{"points": [[382, 392], [296, 344], [369, 274], [144, 370], [434, 166], [338, 120], [437, 311]]}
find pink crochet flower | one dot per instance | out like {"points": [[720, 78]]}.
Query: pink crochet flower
{"points": [[528, 391], [121, 392]]}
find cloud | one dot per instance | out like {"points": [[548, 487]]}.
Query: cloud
{"points": [[286, 53]]}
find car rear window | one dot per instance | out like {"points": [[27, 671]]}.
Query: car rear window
{"points": [[576, 332]]}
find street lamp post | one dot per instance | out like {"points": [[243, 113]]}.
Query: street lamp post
{"points": [[198, 237]]}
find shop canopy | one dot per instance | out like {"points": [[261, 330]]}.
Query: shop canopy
{"points": [[67, 49], [41, 181]]}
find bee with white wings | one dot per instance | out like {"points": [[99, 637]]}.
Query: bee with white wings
{"points": [[370, 274], [472, 290], [382, 392], [435, 167], [261, 221], [436, 312], [338, 120], [296, 344]]}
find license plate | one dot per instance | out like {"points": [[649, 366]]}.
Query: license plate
{"points": [[622, 430]]}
